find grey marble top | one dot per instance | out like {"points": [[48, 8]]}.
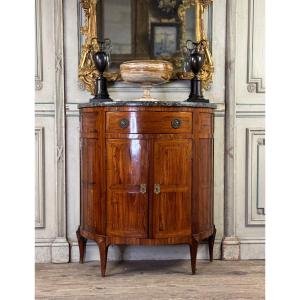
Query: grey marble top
{"points": [[149, 103]]}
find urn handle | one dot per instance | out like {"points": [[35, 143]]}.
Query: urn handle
{"points": [[157, 189], [176, 123], [124, 123]]}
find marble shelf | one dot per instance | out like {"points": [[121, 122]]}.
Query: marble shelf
{"points": [[148, 103]]}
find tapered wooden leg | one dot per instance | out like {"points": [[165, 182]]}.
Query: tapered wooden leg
{"points": [[211, 242], [193, 251], [81, 244], [103, 249]]}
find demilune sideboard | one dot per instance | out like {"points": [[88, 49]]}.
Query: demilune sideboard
{"points": [[146, 175]]}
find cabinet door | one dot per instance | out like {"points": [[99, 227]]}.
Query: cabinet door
{"points": [[172, 188], [127, 194]]}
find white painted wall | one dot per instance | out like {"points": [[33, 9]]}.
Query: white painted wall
{"points": [[250, 114], [45, 121], [250, 120]]}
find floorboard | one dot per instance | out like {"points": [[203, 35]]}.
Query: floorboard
{"points": [[151, 280]]}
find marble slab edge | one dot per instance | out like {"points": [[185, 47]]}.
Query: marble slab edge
{"points": [[148, 103]]}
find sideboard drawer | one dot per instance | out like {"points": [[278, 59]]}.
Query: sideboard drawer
{"points": [[149, 122]]}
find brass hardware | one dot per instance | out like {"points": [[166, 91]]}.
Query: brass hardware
{"points": [[143, 188], [87, 72], [156, 188], [124, 123], [176, 123]]}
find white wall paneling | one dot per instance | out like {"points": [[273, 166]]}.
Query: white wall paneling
{"points": [[256, 46], [45, 181], [51, 240], [44, 58], [38, 46], [249, 184], [60, 246], [73, 172], [244, 131], [255, 176], [250, 52], [39, 178], [252, 248]]}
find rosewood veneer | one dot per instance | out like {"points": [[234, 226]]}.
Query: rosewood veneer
{"points": [[146, 177]]}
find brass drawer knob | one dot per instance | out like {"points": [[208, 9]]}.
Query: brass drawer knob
{"points": [[124, 123], [176, 123]]}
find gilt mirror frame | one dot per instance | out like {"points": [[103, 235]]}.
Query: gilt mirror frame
{"points": [[87, 72]]}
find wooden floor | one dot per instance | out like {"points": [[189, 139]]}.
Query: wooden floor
{"points": [[145, 280]]}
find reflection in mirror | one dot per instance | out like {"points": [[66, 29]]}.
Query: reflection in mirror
{"points": [[190, 23], [148, 29], [116, 24], [164, 39]]}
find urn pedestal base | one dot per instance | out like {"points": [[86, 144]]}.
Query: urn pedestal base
{"points": [[196, 94], [101, 91]]}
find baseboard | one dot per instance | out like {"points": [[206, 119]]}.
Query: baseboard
{"points": [[249, 249], [43, 252], [252, 249], [56, 251]]}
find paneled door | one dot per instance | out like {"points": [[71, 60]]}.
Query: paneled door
{"points": [[127, 191], [172, 188]]}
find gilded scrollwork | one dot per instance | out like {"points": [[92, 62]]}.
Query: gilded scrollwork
{"points": [[208, 67], [87, 70], [205, 3]]}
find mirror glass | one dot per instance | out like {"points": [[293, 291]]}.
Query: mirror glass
{"points": [[141, 29], [144, 29], [190, 23], [116, 24]]}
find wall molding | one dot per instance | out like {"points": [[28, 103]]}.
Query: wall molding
{"points": [[47, 240], [39, 178], [38, 46], [230, 120], [250, 114], [59, 118], [255, 177], [44, 109], [60, 246], [255, 76], [230, 243], [253, 241]]}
